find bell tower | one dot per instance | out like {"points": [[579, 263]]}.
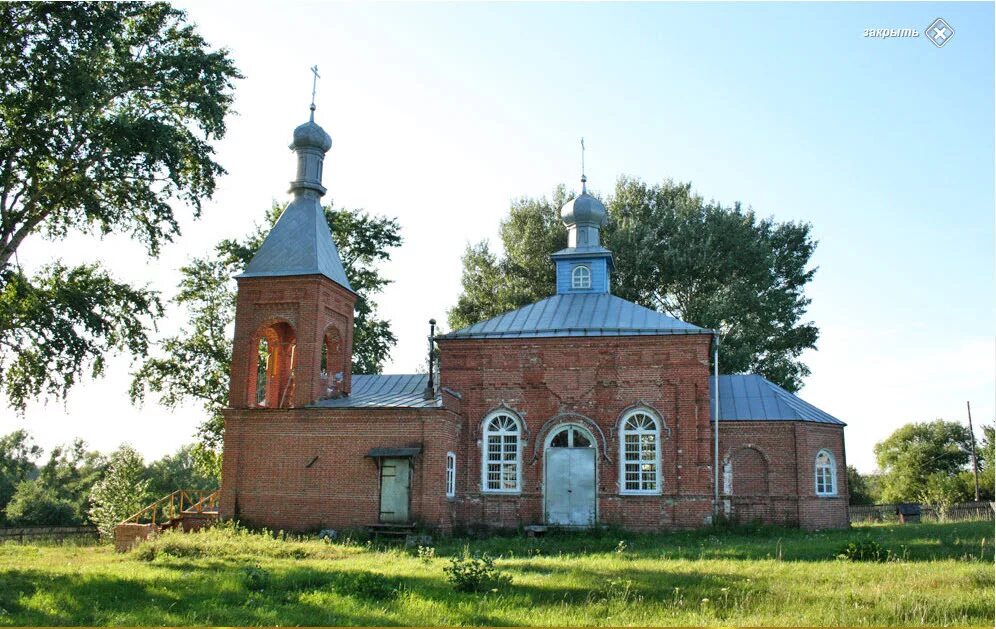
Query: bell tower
{"points": [[585, 266], [294, 310]]}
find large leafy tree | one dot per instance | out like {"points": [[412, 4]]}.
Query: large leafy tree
{"points": [[106, 114], [193, 365], [922, 456], [717, 267]]}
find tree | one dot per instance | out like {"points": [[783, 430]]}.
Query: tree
{"points": [[178, 471], [860, 487], [941, 491], [121, 493], [70, 474], [106, 113], [987, 464], [35, 504], [17, 463], [916, 457], [716, 267], [194, 365]]}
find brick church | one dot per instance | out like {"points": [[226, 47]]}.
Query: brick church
{"points": [[581, 409]]}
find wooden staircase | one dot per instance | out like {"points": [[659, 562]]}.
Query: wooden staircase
{"points": [[184, 509]]}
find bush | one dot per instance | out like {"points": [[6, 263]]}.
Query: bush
{"points": [[864, 550], [475, 574], [369, 585], [426, 553], [34, 504], [229, 540], [255, 578]]}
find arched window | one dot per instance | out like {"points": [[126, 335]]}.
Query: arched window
{"points": [[262, 371], [640, 454], [571, 437], [581, 277], [502, 469], [826, 474], [450, 474]]}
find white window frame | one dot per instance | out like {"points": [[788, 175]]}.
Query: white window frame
{"points": [[581, 281], [831, 467], [450, 475], [656, 433], [487, 432]]}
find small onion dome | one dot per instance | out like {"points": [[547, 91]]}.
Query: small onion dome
{"points": [[586, 210], [310, 135]]}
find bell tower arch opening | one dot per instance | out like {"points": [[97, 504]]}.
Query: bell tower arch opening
{"points": [[332, 365], [271, 368]]}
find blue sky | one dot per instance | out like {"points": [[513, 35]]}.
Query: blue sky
{"points": [[440, 114]]}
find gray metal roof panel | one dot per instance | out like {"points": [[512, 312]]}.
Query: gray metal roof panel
{"points": [[751, 397], [300, 243], [580, 314], [384, 391]]}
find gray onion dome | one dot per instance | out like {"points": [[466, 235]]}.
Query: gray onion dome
{"points": [[310, 135], [584, 210]]}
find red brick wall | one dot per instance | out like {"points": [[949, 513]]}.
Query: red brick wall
{"points": [[592, 381], [310, 305], [782, 455], [306, 469]]}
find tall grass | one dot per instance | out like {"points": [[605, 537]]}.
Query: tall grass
{"points": [[936, 574]]}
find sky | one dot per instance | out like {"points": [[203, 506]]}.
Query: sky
{"points": [[442, 114]]}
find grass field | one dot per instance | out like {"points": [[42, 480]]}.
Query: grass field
{"points": [[939, 574]]}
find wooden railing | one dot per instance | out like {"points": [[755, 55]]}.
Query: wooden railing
{"points": [[177, 504]]}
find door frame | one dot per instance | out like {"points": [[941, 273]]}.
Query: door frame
{"points": [[553, 432]]}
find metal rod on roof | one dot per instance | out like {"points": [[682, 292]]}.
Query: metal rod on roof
{"points": [[430, 388]]}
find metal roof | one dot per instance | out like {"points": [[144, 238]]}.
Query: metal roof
{"points": [[379, 453], [582, 252], [384, 391], [598, 314], [751, 397], [300, 243], [741, 398]]}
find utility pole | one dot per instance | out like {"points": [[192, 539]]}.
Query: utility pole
{"points": [[975, 460]]}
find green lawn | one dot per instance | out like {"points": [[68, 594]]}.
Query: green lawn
{"points": [[941, 574]]}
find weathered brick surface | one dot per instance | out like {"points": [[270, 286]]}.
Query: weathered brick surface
{"points": [[306, 469], [774, 473], [311, 306], [299, 468], [592, 382]]}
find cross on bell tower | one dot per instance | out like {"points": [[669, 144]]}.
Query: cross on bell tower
{"points": [[295, 306]]}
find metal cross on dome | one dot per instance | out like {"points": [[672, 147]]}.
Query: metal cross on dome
{"points": [[314, 89], [584, 179]]}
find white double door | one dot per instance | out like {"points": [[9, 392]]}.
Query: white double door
{"points": [[570, 486]]}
